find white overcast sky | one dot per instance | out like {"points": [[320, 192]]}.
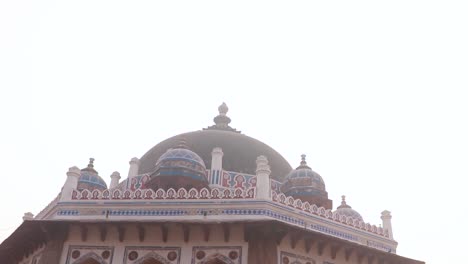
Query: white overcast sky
{"points": [[374, 92]]}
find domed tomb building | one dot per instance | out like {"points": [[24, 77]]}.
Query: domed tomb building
{"points": [[213, 196]]}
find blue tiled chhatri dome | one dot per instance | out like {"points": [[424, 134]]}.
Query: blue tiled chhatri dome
{"points": [[305, 184], [89, 178], [179, 167], [345, 209]]}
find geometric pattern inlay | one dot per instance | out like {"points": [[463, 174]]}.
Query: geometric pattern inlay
{"points": [[224, 254], [82, 254], [141, 254]]}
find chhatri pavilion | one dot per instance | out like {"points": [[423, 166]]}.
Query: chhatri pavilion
{"points": [[214, 196]]}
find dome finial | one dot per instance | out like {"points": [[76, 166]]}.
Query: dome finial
{"points": [[90, 166], [222, 120], [223, 109], [343, 202], [303, 162], [346, 210]]}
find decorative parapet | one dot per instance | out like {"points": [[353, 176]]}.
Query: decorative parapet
{"points": [[231, 179], [327, 214], [161, 194], [280, 199]]}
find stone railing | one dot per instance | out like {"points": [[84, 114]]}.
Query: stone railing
{"points": [[160, 194], [327, 214]]}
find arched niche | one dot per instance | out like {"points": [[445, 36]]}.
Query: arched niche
{"points": [[152, 258], [215, 261], [90, 258], [151, 261], [90, 261], [218, 259]]}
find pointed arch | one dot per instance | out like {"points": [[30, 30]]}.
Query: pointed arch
{"points": [[152, 258], [151, 261], [90, 261], [90, 258], [215, 261], [218, 259]]}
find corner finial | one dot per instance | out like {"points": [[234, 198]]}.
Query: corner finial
{"points": [[223, 109], [28, 216], [262, 165]]}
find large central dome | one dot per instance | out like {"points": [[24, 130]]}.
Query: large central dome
{"points": [[240, 151]]}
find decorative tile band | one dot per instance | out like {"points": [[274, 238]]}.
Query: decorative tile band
{"points": [[68, 212], [380, 246], [330, 231]]}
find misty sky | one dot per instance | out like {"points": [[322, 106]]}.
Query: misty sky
{"points": [[374, 93]]}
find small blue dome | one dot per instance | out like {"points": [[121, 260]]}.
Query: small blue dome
{"points": [[307, 177], [305, 184], [89, 178], [181, 154], [179, 168], [346, 210], [304, 177]]}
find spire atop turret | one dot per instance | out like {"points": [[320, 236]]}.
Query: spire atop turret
{"points": [[90, 166], [303, 162], [343, 202]]}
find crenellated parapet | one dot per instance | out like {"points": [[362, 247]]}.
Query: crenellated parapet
{"points": [[314, 210], [161, 194]]}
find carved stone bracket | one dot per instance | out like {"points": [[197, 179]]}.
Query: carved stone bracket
{"points": [[226, 232], [84, 233], [141, 233], [206, 232], [103, 232], [186, 231], [164, 232], [121, 230]]}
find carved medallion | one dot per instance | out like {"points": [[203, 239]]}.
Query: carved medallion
{"points": [[171, 255], [76, 254], [132, 255]]}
